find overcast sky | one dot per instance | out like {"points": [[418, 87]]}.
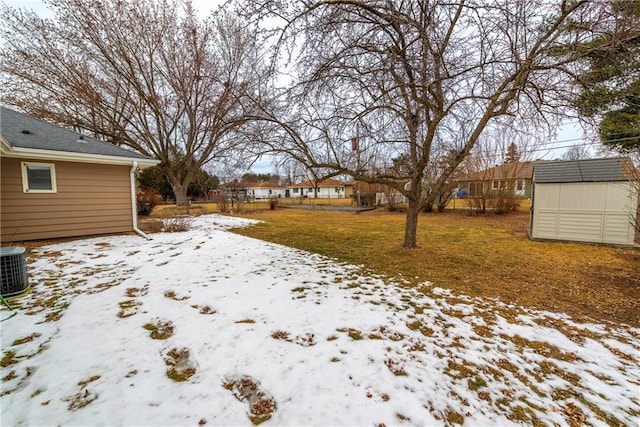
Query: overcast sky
{"points": [[570, 134]]}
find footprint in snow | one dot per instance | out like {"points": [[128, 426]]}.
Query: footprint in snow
{"points": [[248, 389], [181, 364]]}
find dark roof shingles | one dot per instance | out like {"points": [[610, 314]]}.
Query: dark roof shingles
{"points": [[23, 131], [589, 170]]}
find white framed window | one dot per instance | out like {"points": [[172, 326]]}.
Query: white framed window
{"points": [[495, 184], [39, 177], [295, 190], [520, 185]]}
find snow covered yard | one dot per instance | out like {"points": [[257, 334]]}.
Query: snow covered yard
{"points": [[208, 327]]}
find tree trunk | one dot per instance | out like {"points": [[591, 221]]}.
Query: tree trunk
{"points": [[411, 225], [179, 185], [180, 191]]}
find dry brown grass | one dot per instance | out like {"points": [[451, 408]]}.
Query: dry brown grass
{"points": [[169, 211], [487, 255]]}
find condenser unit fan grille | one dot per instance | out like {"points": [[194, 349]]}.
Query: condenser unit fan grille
{"points": [[13, 269]]}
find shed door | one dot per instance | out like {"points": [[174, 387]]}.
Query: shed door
{"points": [[598, 212]]}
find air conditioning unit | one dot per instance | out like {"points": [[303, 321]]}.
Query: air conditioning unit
{"points": [[13, 269]]}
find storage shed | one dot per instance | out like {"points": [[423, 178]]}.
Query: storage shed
{"points": [[592, 200]]}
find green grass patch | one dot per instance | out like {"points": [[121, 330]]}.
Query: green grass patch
{"points": [[8, 358]]}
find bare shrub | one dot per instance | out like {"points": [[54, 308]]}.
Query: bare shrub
{"points": [[222, 201], [477, 205], [393, 199], [505, 199], [392, 206], [178, 224], [445, 197], [151, 226], [146, 201], [273, 202]]}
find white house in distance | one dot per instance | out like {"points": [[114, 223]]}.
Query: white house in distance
{"points": [[326, 189], [264, 190], [594, 200]]}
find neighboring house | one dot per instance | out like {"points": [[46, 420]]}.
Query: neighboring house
{"points": [[517, 176], [326, 189], [264, 190], [55, 183], [594, 200], [349, 189], [234, 190]]}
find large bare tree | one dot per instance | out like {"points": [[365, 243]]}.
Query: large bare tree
{"points": [[422, 79], [148, 74]]}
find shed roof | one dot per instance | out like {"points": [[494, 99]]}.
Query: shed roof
{"points": [[20, 130], [588, 170]]}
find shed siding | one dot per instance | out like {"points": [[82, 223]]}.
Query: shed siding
{"points": [[90, 199], [584, 212]]}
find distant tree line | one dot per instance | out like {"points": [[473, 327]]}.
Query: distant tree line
{"points": [[253, 178]]}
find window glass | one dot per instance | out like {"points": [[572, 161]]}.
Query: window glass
{"points": [[38, 177]]}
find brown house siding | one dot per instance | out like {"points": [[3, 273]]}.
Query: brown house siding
{"points": [[90, 199]]}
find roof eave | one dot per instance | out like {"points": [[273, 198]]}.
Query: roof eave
{"points": [[31, 153], [5, 147]]}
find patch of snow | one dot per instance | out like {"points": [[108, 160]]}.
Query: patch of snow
{"points": [[330, 344]]}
